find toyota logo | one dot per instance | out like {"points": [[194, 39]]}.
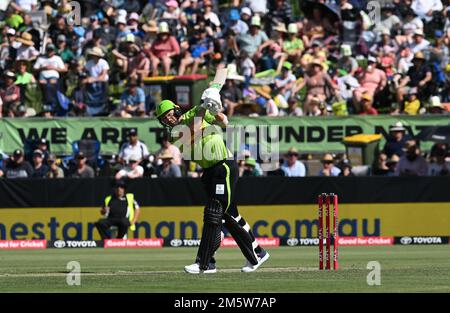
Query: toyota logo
{"points": [[176, 242], [405, 240], [59, 244], [292, 242]]}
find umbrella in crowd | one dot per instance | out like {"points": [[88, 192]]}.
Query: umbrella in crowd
{"points": [[439, 134], [331, 11]]}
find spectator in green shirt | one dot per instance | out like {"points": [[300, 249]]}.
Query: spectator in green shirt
{"points": [[293, 46], [23, 77], [64, 52]]}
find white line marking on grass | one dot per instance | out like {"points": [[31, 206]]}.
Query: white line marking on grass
{"points": [[130, 273]]}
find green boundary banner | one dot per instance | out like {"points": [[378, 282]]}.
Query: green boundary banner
{"points": [[308, 134]]}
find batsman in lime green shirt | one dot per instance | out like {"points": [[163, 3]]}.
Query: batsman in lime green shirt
{"points": [[204, 144]]}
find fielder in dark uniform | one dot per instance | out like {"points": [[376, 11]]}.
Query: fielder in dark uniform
{"points": [[220, 175]]}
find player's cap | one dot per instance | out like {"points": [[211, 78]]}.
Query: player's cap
{"points": [[43, 141], [164, 107], [133, 132]]}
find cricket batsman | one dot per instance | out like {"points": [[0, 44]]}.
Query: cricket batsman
{"points": [[220, 175]]}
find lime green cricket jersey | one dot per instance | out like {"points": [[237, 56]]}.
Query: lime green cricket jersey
{"points": [[209, 148]]}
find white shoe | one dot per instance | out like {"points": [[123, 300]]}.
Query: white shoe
{"points": [[195, 269], [249, 267]]}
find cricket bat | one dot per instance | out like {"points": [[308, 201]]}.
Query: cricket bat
{"points": [[219, 78]]}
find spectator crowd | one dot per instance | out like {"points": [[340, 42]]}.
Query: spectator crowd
{"points": [[401, 155], [324, 58]]}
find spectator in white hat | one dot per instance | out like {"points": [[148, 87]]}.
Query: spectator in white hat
{"points": [[97, 67], [396, 140], [132, 170], [346, 62], [246, 15], [419, 42], [121, 29]]}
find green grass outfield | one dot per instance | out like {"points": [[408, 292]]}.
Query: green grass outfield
{"points": [[403, 269]]}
